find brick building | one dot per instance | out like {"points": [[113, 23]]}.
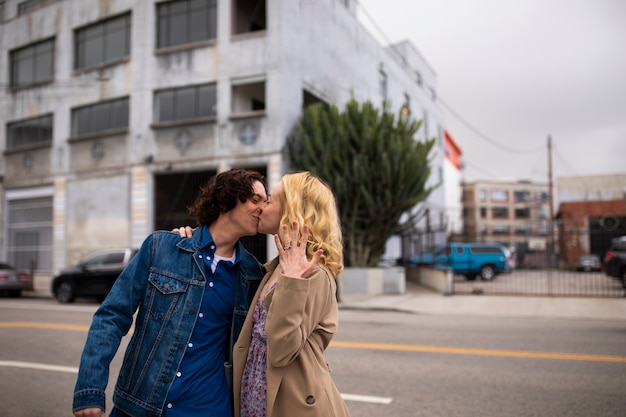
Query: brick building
{"points": [[587, 227]]}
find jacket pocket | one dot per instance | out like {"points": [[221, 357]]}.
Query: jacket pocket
{"points": [[165, 293]]}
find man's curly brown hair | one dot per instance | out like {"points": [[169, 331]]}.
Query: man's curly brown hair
{"points": [[221, 193]]}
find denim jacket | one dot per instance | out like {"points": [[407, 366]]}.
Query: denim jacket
{"points": [[166, 281]]}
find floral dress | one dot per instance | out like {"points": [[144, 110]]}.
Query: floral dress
{"points": [[254, 380]]}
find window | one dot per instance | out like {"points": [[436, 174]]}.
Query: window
{"points": [[418, 78], [100, 117], [500, 229], [186, 21], [248, 95], [29, 132], [406, 107], [30, 5], [104, 42], [522, 229], [499, 195], [522, 213], [249, 16], [485, 249], [521, 196], [482, 195], [185, 103], [32, 64], [382, 82], [29, 232], [483, 212], [500, 213]]}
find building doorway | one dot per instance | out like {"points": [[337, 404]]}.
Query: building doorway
{"points": [[174, 192]]}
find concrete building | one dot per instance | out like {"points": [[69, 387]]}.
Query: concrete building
{"points": [[514, 213], [114, 112], [591, 187]]}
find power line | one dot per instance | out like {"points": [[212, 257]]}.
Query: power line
{"points": [[446, 105], [483, 136]]}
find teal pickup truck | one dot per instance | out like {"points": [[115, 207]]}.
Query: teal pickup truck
{"points": [[486, 260]]}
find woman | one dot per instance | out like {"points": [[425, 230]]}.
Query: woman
{"points": [[278, 363]]}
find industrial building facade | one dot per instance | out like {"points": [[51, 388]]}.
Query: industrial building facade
{"points": [[115, 112], [513, 213]]}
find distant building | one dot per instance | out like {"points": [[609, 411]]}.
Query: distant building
{"points": [[115, 112], [513, 213], [591, 187], [591, 212], [587, 227]]}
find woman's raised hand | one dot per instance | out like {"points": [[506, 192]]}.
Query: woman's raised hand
{"points": [[292, 252]]}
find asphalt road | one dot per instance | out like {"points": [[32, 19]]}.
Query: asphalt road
{"points": [[385, 363]]}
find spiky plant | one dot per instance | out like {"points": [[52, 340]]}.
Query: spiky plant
{"points": [[375, 167]]}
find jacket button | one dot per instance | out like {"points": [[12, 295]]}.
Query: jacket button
{"points": [[192, 311], [310, 400], [166, 379], [181, 345]]}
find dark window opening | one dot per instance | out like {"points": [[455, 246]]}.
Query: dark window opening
{"points": [[500, 213], [522, 213], [249, 16], [309, 99], [248, 97]]}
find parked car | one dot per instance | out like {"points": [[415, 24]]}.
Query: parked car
{"points": [[589, 263], [93, 276], [486, 260], [12, 281], [615, 260]]}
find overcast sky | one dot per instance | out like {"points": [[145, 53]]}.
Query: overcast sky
{"points": [[513, 72]]}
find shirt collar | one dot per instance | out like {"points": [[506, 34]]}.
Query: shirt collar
{"points": [[208, 245]]}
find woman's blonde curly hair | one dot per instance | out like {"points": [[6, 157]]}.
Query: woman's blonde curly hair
{"points": [[308, 200]]}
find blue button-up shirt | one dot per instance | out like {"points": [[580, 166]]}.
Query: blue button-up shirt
{"points": [[200, 388]]}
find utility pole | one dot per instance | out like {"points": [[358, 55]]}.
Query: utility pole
{"points": [[551, 202]]}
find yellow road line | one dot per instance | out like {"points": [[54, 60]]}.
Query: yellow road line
{"points": [[54, 326], [484, 352], [385, 346]]}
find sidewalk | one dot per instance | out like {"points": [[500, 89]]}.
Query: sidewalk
{"points": [[420, 300]]}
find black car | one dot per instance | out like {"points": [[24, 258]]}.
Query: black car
{"points": [[93, 276], [615, 260]]}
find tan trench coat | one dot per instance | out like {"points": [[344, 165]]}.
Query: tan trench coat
{"points": [[301, 320]]}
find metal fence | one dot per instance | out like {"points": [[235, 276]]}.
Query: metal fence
{"points": [[543, 282], [545, 272]]}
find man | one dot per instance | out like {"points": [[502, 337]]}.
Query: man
{"points": [[191, 297]]}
